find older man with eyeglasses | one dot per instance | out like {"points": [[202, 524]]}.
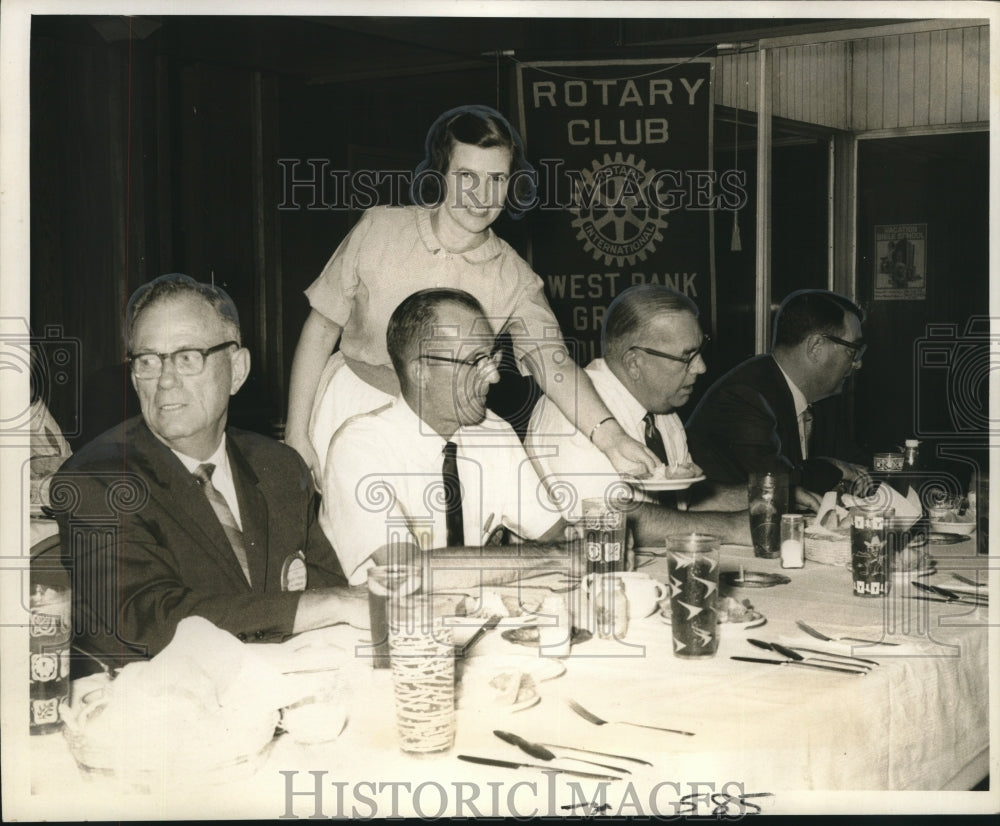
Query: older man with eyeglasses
{"points": [[652, 345], [780, 411], [434, 469], [174, 514]]}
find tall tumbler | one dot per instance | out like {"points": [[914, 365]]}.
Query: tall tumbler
{"points": [[693, 572], [422, 651], [49, 641], [604, 536], [388, 587], [870, 557], [768, 498]]}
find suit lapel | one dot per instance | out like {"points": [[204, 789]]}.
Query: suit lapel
{"points": [[181, 496], [253, 514], [788, 422]]}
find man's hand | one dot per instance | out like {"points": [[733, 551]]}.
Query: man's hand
{"points": [[626, 454], [807, 500], [850, 471]]}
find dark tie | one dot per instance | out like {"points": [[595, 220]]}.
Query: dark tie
{"points": [[654, 441], [203, 474], [807, 427], [452, 497]]}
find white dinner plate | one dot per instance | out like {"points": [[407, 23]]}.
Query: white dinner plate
{"points": [[657, 485]]}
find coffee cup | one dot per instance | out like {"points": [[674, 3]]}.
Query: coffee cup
{"points": [[641, 590]]}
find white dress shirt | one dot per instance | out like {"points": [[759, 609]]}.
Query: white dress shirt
{"points": [[222, 476], [564, 455]]}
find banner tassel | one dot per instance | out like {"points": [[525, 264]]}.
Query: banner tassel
{"points": [[734, 244]]}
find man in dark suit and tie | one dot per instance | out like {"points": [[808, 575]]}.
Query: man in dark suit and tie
{"points": [[781, 411], [174, 514]]}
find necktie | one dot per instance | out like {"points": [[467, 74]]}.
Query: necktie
{"points": [[452, 497], [806, 416], [654, 441], [203, 474]]}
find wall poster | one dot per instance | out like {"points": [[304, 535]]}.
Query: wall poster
{"points": [[901, 256], [626, 188]]}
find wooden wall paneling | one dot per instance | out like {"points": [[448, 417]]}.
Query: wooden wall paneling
{"points": [[970, 75], [890, 82], [876, 84], [984, 74], [954, 66], [906, 78], [921, 78], [859, 85], [939, 78]]}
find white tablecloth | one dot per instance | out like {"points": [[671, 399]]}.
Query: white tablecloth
{"points": [[918, 722]]}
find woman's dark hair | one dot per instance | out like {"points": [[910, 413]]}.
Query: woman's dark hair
{"points": [[477, 126]]}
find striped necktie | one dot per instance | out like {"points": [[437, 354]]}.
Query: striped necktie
{"points": [[203, 474], [452, 497]]}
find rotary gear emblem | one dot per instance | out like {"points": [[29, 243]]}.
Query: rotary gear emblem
{"points": [[615, 217]]}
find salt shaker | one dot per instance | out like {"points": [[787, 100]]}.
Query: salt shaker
{"points": [[793, 527], [911, 454]]}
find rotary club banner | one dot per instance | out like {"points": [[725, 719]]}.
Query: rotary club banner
{"points": [[626, 187]]}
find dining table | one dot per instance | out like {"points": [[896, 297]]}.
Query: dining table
{"points": [[897, 734]]}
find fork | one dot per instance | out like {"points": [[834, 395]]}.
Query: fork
{"points": [[597, 721], [812, 632]]}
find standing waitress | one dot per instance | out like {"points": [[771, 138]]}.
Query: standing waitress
{"points": [[444, 241]]}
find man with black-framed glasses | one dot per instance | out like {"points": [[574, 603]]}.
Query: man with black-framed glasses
{"points": [[782, 411], [652, 346], [175, 514]]}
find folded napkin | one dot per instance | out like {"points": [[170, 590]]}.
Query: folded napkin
{"points": [[203, 705], [908, 508]]}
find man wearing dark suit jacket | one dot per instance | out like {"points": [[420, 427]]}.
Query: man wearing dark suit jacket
{"points": [[148, 541], [780, 412]]}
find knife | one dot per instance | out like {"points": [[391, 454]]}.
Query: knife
{"points": [[539, 752], [953, 601], [601, 753], [792, 653], [796, 662], [944, 592], [507, 764], [489, 625]]}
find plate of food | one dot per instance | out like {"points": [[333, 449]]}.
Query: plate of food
{"points": [[731, 612], [666, 478]]}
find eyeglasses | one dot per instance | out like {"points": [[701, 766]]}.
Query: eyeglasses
{"points": [[480, 361], [187, 362], [857, 348], [685, 360]]}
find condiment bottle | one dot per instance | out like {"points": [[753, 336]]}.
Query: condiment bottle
{"points": [[793, 527], [610, 607], [911, 454]]}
